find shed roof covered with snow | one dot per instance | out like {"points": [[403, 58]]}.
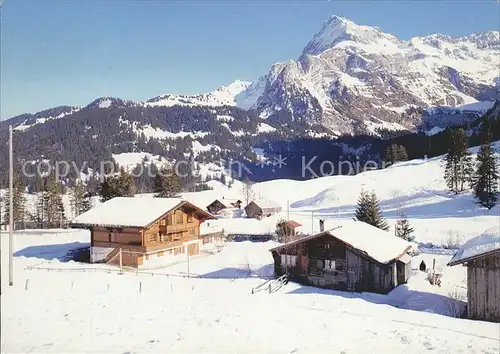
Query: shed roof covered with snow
{"points": [[378, 244], [131, 212], [485, 244], [266, 204]]}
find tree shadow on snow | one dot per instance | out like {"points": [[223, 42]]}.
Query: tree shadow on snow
{"points": [[241, 272], [49, 252], [401, 297]]}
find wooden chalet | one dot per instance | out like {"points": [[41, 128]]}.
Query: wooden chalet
{"points": [[261, 208], [224, 203], [353, 256], [146, 230], [481, 256], [291, 227]]}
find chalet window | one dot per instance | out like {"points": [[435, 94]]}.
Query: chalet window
{"points": [[178, 217], [176, 236], [152, 238], [162, 222], [192, 232], [169, 219], [330, 265], [190, 217], [289, 260]]}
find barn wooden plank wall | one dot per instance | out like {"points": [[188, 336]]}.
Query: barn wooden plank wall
{"points": [[483, 288], [353, 270]]}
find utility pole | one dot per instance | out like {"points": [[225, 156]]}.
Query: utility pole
{"points": [[11, 209], [187, 253], [312, 222]]}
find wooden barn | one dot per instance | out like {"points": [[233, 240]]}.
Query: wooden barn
{"points": [[223, 203], [353, 256], [261, 208], [481, 256], [142, 232]]}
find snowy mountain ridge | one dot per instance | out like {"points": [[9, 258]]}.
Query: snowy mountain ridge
{"points": [[350, 75], [357, 79], [222, 96]]}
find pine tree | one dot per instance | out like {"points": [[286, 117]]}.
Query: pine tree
{"points": [[166, 184], [18, 201], [404, 229], [79, 199], [486, 175], [395, 153], [368, 211], [50, 208], [121, 185], [222, 179], [458, 170]]}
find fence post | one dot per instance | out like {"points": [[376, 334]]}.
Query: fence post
{"points": [[121, 263]]}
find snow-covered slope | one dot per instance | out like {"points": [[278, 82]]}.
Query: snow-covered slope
{"points": [[56, 306]]}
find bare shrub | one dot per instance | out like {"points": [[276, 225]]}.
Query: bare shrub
{"points": [[247, 267], [456, 302], [453, 240], [219, 244]]}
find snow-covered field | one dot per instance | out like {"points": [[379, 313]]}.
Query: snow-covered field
{"points": [[58, 306], [65, 310]]}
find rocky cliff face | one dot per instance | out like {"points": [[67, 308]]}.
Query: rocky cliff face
{"points": [[352, 78]]}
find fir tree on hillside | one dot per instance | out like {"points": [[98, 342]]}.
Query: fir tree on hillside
{"points": [[166, 184], [79, 199], [394, 153], [486, 174], [121, 185], [458, 170], [50, 208], [18, 201], [404, 229], [368, 211]]}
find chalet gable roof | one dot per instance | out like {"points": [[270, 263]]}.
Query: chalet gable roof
{"points": [[227, 202], [131, 212], [265, 204], [378, 244], [477, 247]]}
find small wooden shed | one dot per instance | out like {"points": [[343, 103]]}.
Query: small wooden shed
{"points": [[262, 208], [353, 256], [481, 256], [223, 203]]}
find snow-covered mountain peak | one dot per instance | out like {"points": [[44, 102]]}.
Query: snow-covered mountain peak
{"points": [[338, 29], [106, 102], [222, 96], [485, 40]]}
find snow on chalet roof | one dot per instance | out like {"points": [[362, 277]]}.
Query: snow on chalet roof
{"points": [[266, 204], [128, 211], [488, 242], [228, 202], [378, 244]]}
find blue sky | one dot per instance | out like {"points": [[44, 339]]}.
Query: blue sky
{"points": [[70, 52]]}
